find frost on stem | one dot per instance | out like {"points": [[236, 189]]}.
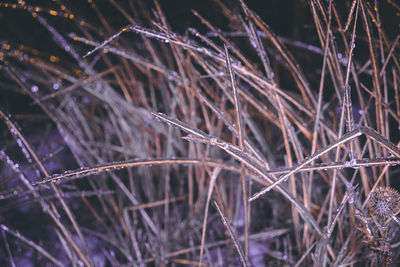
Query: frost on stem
{"points": [[384, 202]]}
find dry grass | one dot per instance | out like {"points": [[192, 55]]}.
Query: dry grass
{"points": [[123, 131]]}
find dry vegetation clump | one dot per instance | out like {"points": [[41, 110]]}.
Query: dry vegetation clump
{"points": [[220, 133]]}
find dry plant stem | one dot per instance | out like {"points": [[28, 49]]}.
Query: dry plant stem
{"points": [[253, 35], [167, 179], [376, 83], [339, 259], [299, 76], [240, 126], [307, 193], [305, 254], [154, 204], [348, 197], [232, 128], [334, 176], [130, 196], [350, 124], [31, 244], [389, 56], [350, 16], [385, 115], [53, 212], [230, 149], [131, 20], [396, 96], [268, 235], [334, 65], [10, 256], [232, 235], [284, 128], [213, 178], [135, 243], [353, 68], [349, 118], [232, 46]]}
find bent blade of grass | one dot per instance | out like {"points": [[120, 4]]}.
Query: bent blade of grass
{"points": [[374, 135]]}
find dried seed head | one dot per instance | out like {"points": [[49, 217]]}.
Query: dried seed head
{"points": [[384, 202]]}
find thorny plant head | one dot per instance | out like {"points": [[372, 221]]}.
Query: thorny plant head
{"points": [[383, 205], [384, 202]]}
